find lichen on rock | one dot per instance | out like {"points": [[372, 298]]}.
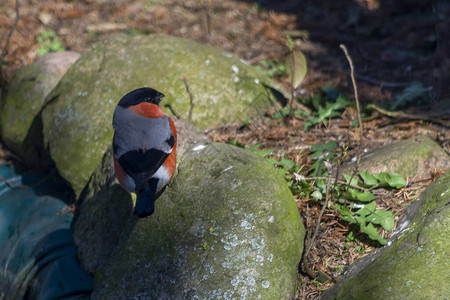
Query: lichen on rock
{"points": [[228, 227], [77, 120]]}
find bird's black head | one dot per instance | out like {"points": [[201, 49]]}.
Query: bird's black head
{"points": [[141, 95]]}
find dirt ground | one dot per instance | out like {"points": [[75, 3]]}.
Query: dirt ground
{"points": [[392, 44]]}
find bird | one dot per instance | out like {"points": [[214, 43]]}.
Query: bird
{"points": [[144, 147]]}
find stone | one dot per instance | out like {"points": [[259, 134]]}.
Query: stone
{"points": [[102, 210], [414, 264], [20, 128], [227, 228], [77, 120], [415, 159]]}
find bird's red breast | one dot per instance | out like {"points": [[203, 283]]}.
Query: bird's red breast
{"points": [[171, 161], [120, 174], [147, 110]]}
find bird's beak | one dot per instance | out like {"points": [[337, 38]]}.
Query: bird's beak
{"points": [[158, 98]]}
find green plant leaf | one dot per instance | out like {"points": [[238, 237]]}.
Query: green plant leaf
{"points": [[254, 147], [272, 68], [396, 181], [317, 169], [301, 113], [319, 149], [234, 142], [354, 180], [382, 177], [273, 161], [341, 102], [360, 220], [414, 92], [367, 209], [315, 101], [393, 180], [287, 163], [316, 195], [330, 91], [372, 232], [264, 153], [282, 172], [331, 110], [369, 179], [280, 114], [345, 212], [49, 42], [297, 67], [383, 218], [363, 196]]}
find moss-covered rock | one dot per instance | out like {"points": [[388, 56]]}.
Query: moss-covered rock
{"points": [[77, 122], [227, 228], [24, 100], [413, 158], [100, 217], [415, 263]]}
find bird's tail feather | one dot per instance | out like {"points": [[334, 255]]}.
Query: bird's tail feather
{"points": [[145, 203]]}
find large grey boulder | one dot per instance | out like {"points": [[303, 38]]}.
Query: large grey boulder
{"points": [[227, 228], [415, 263], [20, 128], [77, 121]]}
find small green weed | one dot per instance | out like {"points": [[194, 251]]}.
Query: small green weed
{"points": [[275, 68], [353, 198], [415, 92], [359, 248], [326, 103], [49, 42]]}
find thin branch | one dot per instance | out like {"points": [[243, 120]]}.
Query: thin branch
{"points": [[355, 90], [191, 98], [5, 48], [402, 115]]}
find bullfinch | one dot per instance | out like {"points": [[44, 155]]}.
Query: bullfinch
{"points": [[144, 146]]}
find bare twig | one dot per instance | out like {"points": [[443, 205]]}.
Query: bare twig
{"points": [[355, 89], [5, 48], [191, 98], [402, 115]]}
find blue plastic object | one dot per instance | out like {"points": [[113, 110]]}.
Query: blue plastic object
{"points": [[38, 258]]}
